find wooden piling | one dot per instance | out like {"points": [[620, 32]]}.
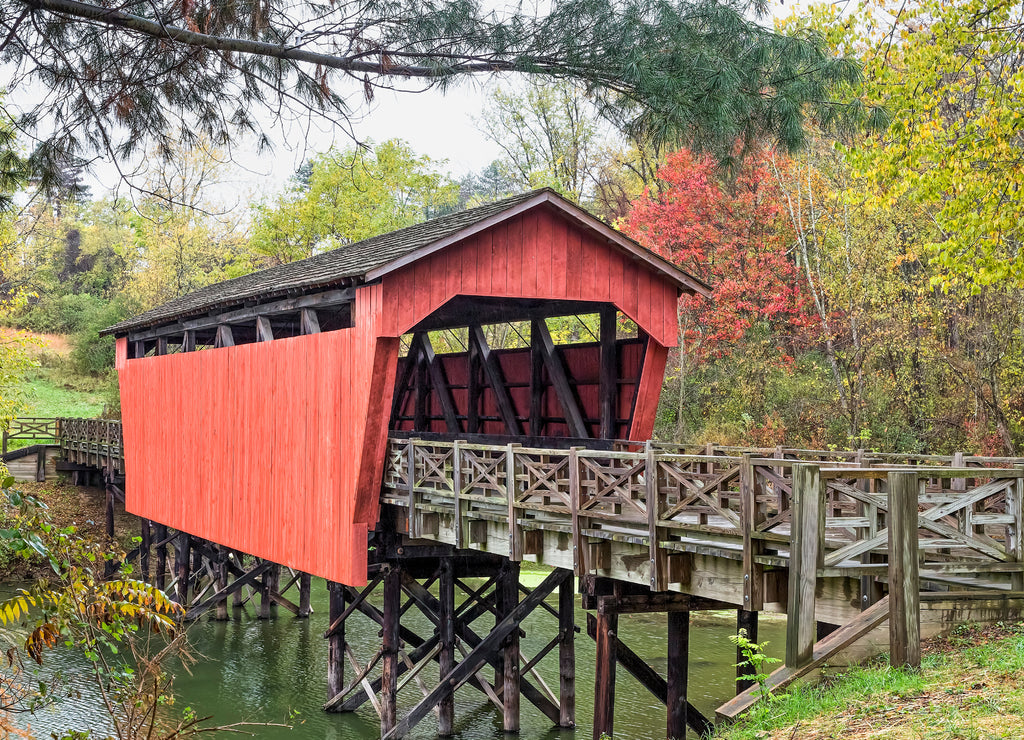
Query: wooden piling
{"points": [[145, 543], [220, 570], [566, 654], [335, 641], [604, 675], [509, 585], [904, 583], [678, 673], [390, 648], [746, 621], [305, 585], [182, 567], [446, 641], [160, 580]]}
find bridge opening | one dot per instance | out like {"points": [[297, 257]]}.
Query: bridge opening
{"points": [[490, 370]]}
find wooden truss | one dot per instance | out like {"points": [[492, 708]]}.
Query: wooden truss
{"points": [[458, 645]]}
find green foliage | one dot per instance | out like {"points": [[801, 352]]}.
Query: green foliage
{"points": [[351, 195], [92, 354], [755, 662]]}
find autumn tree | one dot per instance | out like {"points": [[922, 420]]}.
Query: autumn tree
{"points": [[350, 195], [734, 235], [951, 76], [112, 78]]}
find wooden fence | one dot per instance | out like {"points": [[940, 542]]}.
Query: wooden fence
{"points": [[30, 429]]}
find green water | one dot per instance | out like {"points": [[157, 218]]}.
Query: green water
{"points": [[275, 671]]}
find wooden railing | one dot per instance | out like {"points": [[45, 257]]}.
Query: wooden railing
{"points": [[643, 516], [92, 442], [30, 429]]}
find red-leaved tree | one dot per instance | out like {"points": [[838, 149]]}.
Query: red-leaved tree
{"points": [[736, 236]]}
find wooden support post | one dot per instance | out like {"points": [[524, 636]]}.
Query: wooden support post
{"points": [[268, 587], [305, 585], [752, 516], [446, 635], [145, 543], [160, 581], [805, 557], [237, 598], [220, 569], [1015, 531], [678, 672], [904, 584], [473, 389], [747, 622], [183, 567], [604, 675], [509, 585], [335, 642], [390, 647], [536, 381], [41, 464], [108, 567], [608, 377], [566, 654]]}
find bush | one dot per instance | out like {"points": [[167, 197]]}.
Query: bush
{"points": [[92, 354]]}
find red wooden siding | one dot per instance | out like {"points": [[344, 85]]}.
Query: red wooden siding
{"points": [[277, 448], [513, 260], [263, 447]]}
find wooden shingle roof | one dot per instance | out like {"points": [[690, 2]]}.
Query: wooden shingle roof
{"points": [[369, 259]]}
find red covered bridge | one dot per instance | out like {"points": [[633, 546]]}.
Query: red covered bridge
{"points": [[420, 412], [307, 371]]}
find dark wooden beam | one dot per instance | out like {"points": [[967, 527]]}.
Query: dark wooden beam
{"points": [[650, 603], [607, 382], [439, 383], [264, 329], [566, 655], [495, 379], [560, 382], [678, 673], [647, 676], [405, 386], [473, 390], [536, 382], [390, 646], [225, 337], [188, 341], [446, 637], [602, 629], [747, 622], [308, 321]]}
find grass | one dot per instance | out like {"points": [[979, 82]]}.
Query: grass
{"points": [[50, 392], [968, 688]]}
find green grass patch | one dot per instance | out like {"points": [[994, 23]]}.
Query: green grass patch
{"points": [[48, 394], [967, 689]]}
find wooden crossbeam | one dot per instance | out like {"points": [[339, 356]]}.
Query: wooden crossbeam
{"points": [[559, 380], [495, 379], [240, 581], [439, 383]]}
